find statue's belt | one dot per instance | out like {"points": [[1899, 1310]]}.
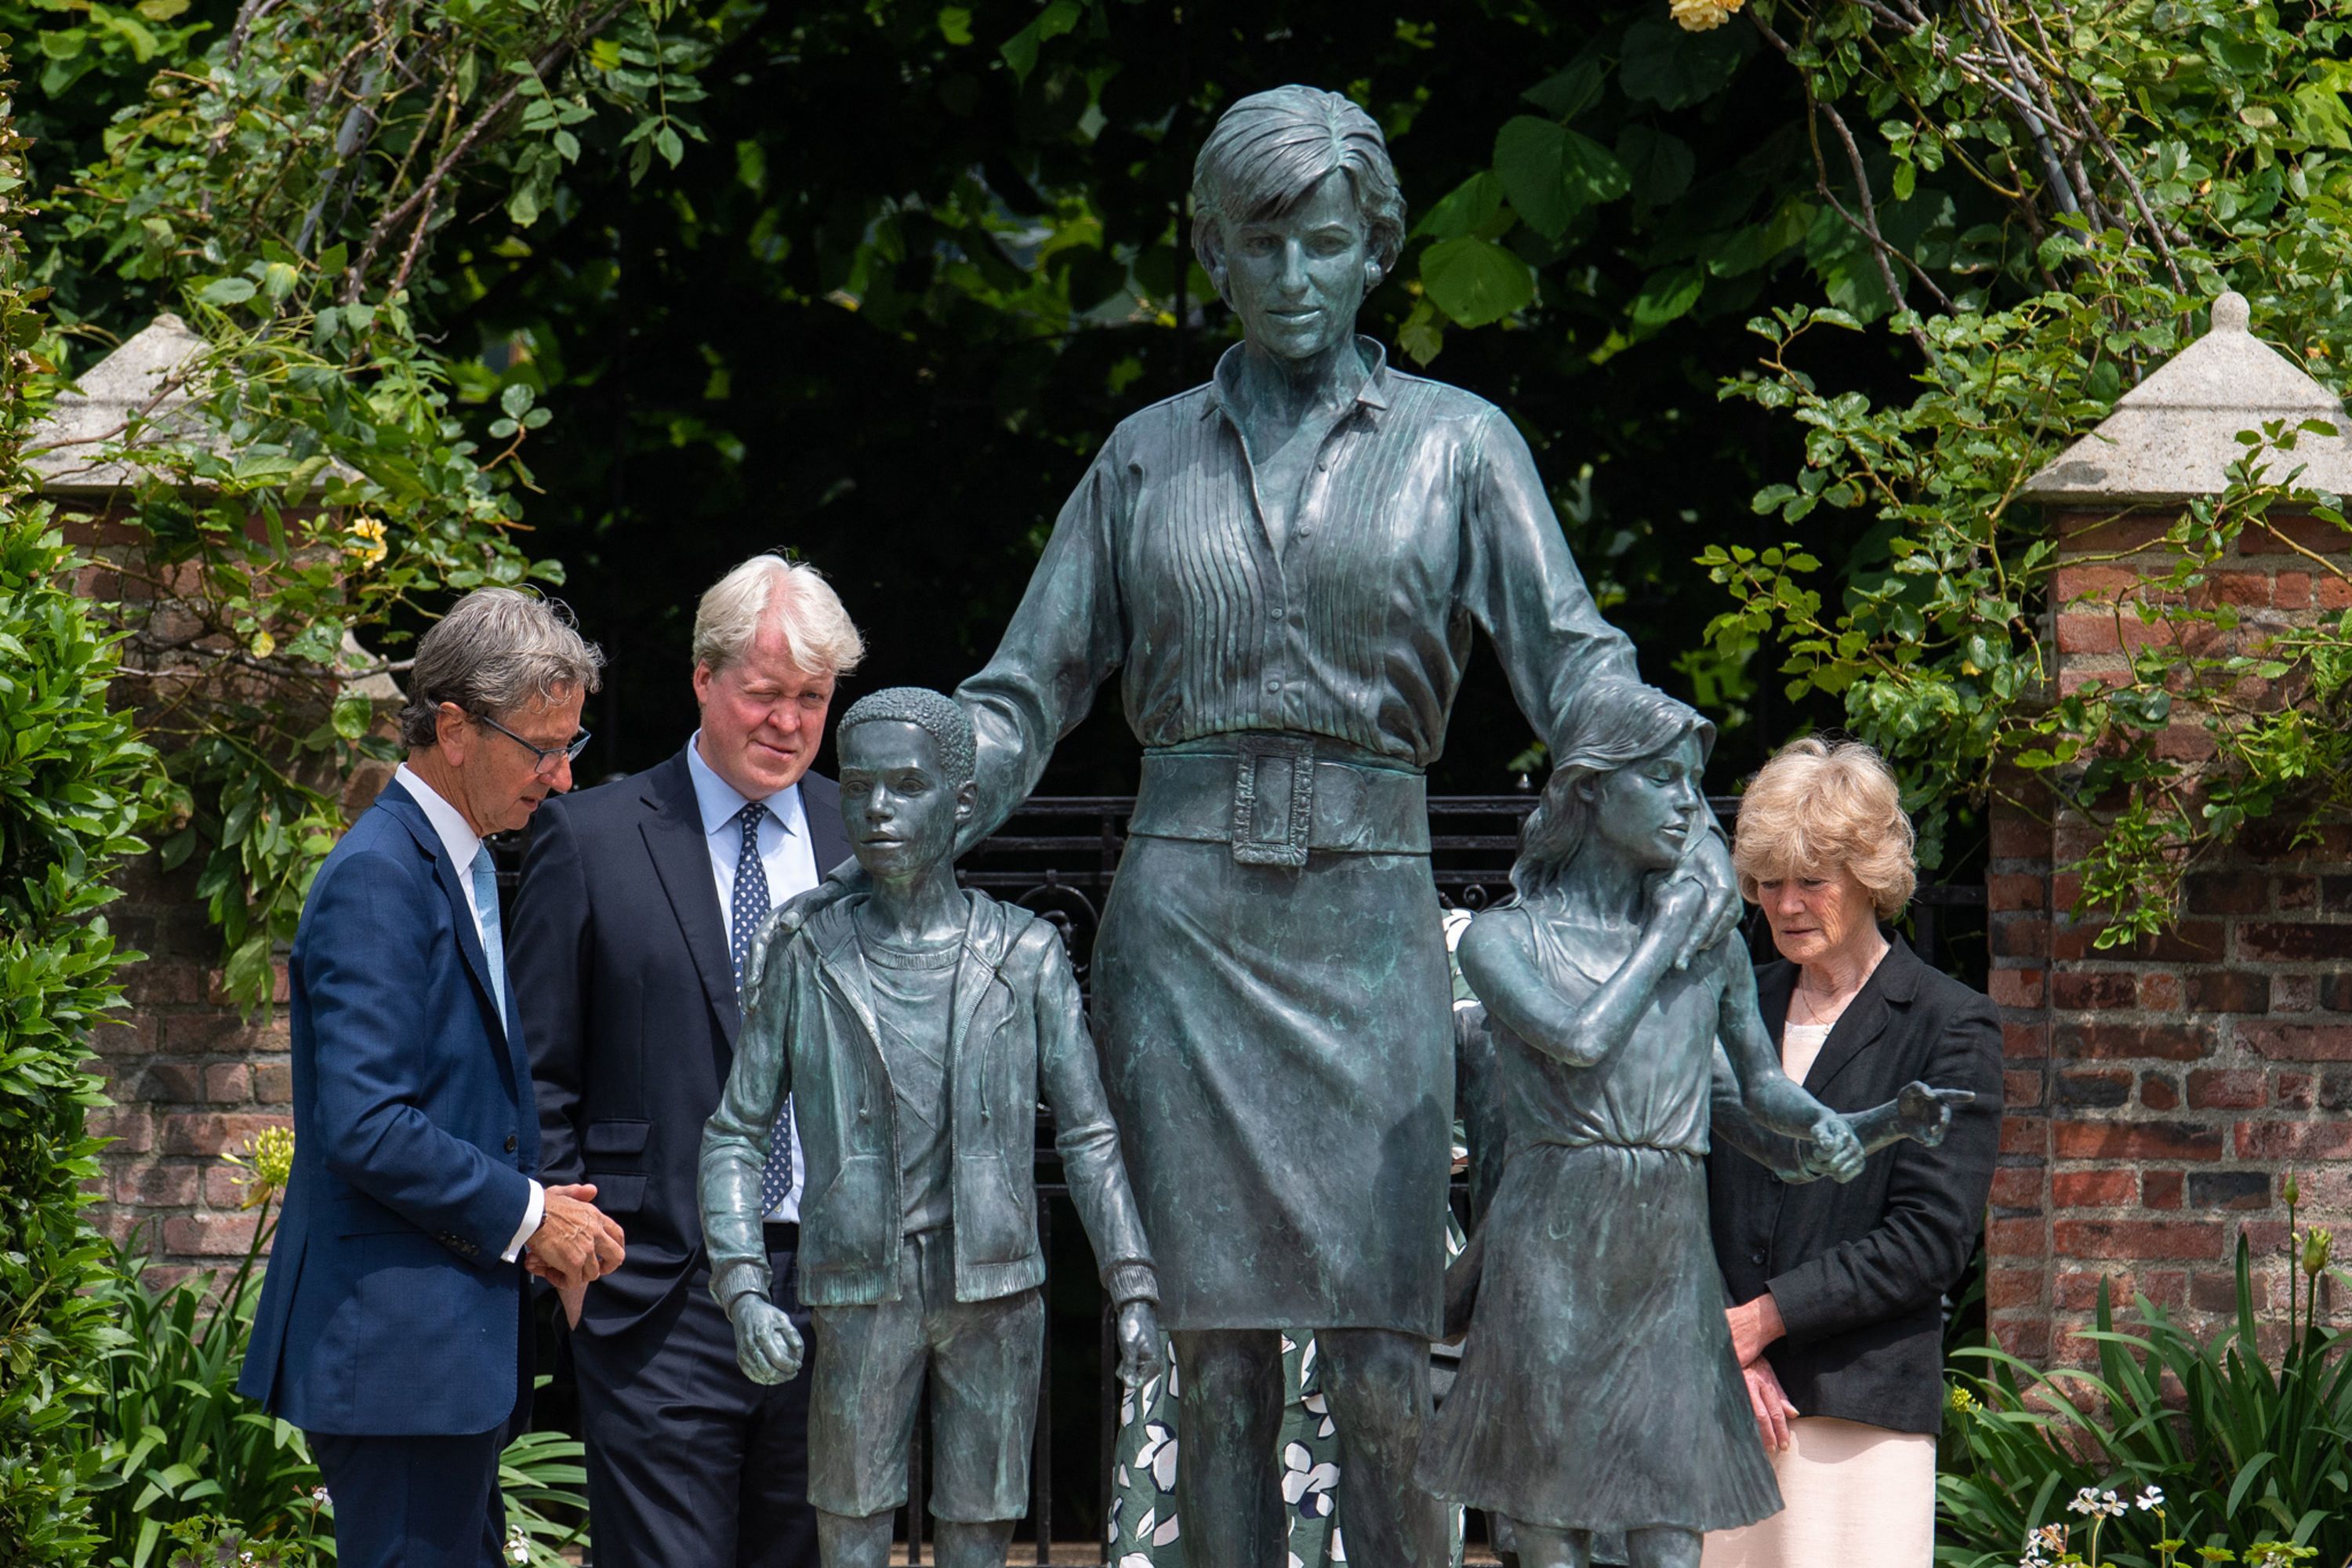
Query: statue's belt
{"points": [[1274, 800]]}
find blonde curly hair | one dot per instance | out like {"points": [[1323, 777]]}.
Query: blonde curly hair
{"points": [[1817, 809]]}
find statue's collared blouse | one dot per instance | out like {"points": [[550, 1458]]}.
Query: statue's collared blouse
{"points": [[1422, 516]]}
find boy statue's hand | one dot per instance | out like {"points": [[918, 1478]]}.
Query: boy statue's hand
{"points": [[1139, 1360], [767, 1346]]}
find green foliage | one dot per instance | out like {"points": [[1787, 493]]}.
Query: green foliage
{"points": [[2216, 1452], [179, 1458], [70, 776], [2125, 172], [321, 479]]}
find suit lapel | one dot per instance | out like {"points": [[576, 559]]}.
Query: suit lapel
{"points": [[411, 816], [821, 811], [681, 856], [1865, 1018]]}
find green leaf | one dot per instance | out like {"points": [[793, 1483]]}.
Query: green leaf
{"points": [[1660, 164], [1476, 281], [225, 291], [1565, 94], [1667, 295], [1020, 51], [1674, 70], [1551, 172], [1467, 208], [1421, 335], [955, 25], [353, 715]]}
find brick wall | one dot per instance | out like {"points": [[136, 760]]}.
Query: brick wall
{"points": [[190, 1076], [2159, 1094]]}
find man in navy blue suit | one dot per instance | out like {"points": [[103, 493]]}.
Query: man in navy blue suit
{"points": [[392, 1327], [638, 903]]}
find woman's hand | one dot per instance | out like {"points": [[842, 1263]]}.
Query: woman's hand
{"points": [[1754, 1324], [1770, 1405]]}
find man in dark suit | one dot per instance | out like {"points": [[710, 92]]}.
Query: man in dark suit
{"points": [[631, 926], [391, 1323]]}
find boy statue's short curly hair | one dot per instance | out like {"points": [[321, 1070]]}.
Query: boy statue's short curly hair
{"points": [[935, 713]]}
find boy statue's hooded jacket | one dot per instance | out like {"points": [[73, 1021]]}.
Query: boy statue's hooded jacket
{"points": [[1017, 1035]]}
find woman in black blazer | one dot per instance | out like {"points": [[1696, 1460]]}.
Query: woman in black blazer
{"points": [[1838, 1290]]}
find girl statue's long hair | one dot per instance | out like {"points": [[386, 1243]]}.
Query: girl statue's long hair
{"points": [[1613, 724]]}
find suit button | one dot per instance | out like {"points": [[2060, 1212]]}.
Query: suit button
{"points": [[510, 1143], [1756, 1258]]}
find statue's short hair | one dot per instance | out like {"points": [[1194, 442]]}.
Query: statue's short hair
{"points": [[818, 633], [496, 649], [937, 715], [1271, 149]]}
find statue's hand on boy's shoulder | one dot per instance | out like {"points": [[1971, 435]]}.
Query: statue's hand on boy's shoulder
{"points": [[767, 1346]]}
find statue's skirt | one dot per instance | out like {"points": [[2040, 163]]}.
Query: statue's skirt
{"points": [[1598, 1389], [1278, 1047]]}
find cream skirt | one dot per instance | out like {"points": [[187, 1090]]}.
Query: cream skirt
{"points": [[1854, 1494]]}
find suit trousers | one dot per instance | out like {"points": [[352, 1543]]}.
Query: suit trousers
{"points": [[415, 1502], [689, 1460]]}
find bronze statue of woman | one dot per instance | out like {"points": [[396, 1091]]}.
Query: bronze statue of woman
{"points": [[1284, 568]]}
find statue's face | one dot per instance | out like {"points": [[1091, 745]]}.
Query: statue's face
{"points": [[1298, 280], [1648, 810], [896, 801]]}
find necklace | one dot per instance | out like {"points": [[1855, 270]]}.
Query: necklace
{"points": [[1814, 1013]]}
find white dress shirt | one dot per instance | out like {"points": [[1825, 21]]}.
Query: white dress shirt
{"points": [[787, 856], [463, 843]]}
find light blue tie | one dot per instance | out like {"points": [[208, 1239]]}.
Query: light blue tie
{"points": [[494, 944]]}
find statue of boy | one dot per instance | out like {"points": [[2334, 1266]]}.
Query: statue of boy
{"points": [[917, 1025]]}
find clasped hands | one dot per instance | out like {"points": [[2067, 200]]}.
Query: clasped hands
{"points": [[575, 1243]]}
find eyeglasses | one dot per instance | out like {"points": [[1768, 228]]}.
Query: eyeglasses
{"points": [[545, 757]]}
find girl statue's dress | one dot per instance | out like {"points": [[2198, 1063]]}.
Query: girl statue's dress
{"points": [[1598, 1389]]}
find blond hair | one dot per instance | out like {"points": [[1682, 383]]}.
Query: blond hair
{"points": [[818, 633], [1817, 808]]}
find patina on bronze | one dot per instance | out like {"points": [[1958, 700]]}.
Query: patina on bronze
{"points": [[917, 1026], [1599, 1392], [1284, 569]]}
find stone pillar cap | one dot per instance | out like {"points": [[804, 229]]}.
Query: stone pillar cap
{"points": [[2174, 436]]}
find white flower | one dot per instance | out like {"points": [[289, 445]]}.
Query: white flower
{"points": [[2086, 1502], [1305, 1485], [318, 1498], [518, 1549], [2149, 1500], [1158, 1456], [2111, 1505]]}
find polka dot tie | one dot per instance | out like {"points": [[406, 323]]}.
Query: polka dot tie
{"points": [[751, 912]]}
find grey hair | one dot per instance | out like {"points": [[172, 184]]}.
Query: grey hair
{"points": [[939, 717], [496, 649], [1271, 149], [818, 633]]}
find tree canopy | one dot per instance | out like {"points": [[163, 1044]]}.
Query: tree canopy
{"points": [[639, 288]]}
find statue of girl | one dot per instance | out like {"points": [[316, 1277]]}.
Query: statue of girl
{"points": [[1598, 1389]]}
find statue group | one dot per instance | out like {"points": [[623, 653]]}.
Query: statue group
{"points": [[1284, 568]]}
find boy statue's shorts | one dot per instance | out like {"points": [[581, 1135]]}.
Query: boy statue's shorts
{"points": [[983, 1357]]}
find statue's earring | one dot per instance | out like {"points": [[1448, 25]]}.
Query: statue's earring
{"points": [[1371, 275]]}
